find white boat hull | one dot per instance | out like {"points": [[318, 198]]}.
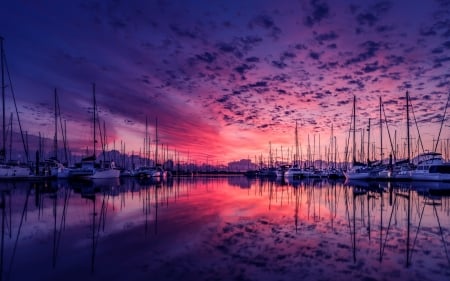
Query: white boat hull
{"points": [[14, 172], [294, 173], [430, 177], [357, 176], [105, 174], [60, 172]]}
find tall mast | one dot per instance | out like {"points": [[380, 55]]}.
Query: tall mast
{"points": [[270, 155], [354, 129], [104, 142], [381, 135], [335, 153], [442, 124], [407, 126], [55, 139], [331, 146], [146, 144], [10, 136], [296, 146], [65, 142], [368, 144], [3, 152], [95, 112], [156, 141]]}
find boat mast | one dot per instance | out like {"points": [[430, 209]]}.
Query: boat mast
{"points": [[368, 144], [407, 126], [296, 158], [63, 128], [95, 111], [442, 123], [10, 136], [156, 141], [3, 152], [308, 157], [330, 150], [381, 135], [335, 153], [270, 155], [104, 142], [146, 145], [354, 129], [64, 134], [55, 139]]}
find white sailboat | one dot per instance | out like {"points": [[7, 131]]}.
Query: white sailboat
{"points": [[157, 171], [295, 172], [400, 170], [147, 171], [57, 169], [9, 169], [89, 168], [358, 171]]}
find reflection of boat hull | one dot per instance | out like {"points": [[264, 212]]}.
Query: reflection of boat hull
{"points": [[431, 188], [89, 188], [362, 185]]}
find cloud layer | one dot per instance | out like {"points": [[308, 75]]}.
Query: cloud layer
{"points": [[225, 78]]}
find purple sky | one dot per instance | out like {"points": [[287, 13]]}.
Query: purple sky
{"points": [[226, 77]]}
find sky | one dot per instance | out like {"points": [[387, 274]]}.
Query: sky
{"points": [[228, 79]]}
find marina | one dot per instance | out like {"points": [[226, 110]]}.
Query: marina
{"points": [[229, 227], [225, 140]]}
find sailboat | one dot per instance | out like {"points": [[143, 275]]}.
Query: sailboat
{"points": [[57, 170], [145, 171], [431, 166], [148, 171], [158, 171], [89, 168], [295, 172], [399, 170], [358, 171], [10, 169]]}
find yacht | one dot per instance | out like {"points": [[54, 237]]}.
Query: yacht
{"points": [[358, 171], [294, 173], [11, 170], [431, 167], [150, 172], [89, 169]]}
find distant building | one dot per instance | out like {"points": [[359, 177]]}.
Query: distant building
{"points": [[241, 165]]}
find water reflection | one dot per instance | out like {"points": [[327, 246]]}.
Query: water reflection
{"points": [[401, 219], [51, 229]]}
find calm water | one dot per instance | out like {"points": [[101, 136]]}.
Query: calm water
{"points": [[226, 228]]}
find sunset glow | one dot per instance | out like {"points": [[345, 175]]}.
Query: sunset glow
{"points": [[226, 78]]}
